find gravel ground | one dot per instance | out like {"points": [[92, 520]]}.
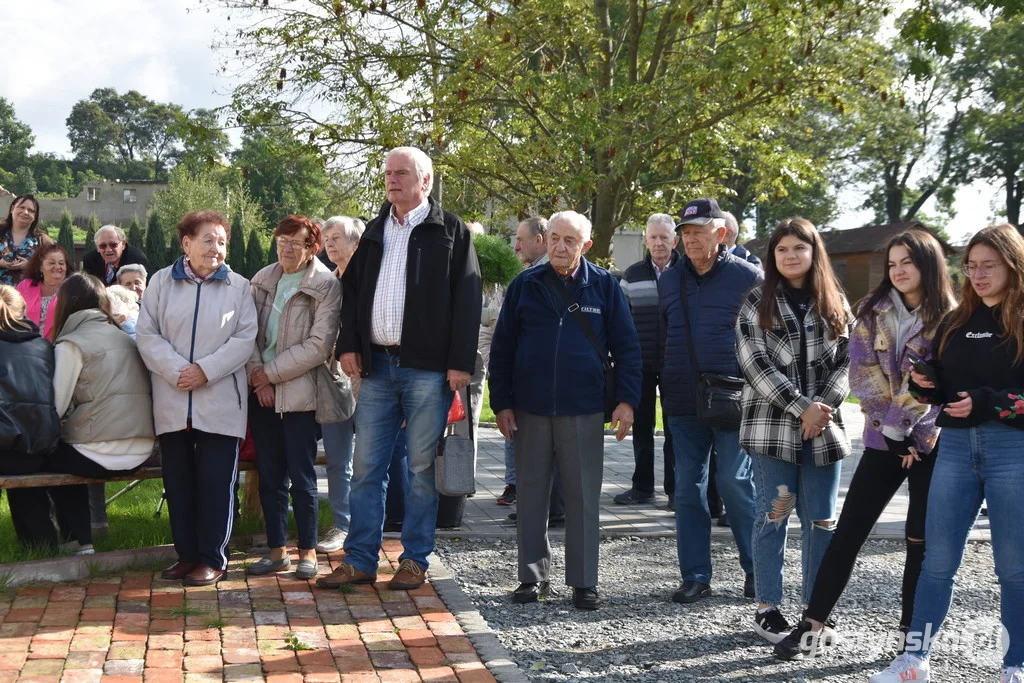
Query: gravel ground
{"points": [[640, 635]]}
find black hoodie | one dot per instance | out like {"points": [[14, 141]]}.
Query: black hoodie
{"points": [[29, 424]]}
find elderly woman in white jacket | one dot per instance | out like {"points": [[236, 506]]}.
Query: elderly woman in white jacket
{"points": [[196, 330]]}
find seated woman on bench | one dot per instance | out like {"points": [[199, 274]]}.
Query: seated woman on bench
{"points": [[29, 426], [102, 393]]}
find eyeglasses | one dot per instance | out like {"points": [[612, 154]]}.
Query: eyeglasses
{"points": [[979, 270], [292, 244], [108, 245]]}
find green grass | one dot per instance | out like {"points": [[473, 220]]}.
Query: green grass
{"points": [[132, 524]]}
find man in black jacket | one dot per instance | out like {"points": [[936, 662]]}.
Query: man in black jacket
{"points": [[112, 252], [640, 284], [410, 318], [732, 231]]}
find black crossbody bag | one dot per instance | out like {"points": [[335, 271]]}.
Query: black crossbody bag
{"points": [[555, 285], [718, 395]]}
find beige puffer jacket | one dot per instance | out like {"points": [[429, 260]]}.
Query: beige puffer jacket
{"points": [[306, 336]]}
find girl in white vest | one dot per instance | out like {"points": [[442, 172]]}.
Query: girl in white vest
{"points": [[102, 394]]}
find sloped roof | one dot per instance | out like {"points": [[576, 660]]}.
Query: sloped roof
{"points": [[867, 239]]}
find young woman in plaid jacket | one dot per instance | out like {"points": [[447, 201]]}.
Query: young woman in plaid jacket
{"points": [[793, 337], [897, 319]]}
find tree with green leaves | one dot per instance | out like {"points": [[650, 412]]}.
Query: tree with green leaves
{"points": [[91, 229], [135, 233], [16, 138], [615, 108], [127, 135], [282, 173], [236, 246], [254, 256], [156, 243], [197, 190], [66, 234], [271, 252]]}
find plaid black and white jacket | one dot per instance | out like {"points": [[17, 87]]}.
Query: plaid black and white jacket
{"points": [[773, 399]]}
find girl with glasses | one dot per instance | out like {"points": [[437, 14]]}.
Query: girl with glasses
{"points": [[976, 375]]}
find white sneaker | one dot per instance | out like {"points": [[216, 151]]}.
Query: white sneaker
{"points": [[1013, 674], [75, 548], [333, 541], [904, 668]]}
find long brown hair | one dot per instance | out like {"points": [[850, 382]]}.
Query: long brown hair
{"points": [[79, 292], [12, 310], [936, 288], [1009, 245], [825, 290]]}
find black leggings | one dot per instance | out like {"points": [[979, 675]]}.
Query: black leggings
{"points": [[879, 475]]}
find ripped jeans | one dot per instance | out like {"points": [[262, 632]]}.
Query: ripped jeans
{"points": [[783, 488]]}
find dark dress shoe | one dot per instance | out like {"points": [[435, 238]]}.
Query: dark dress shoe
{"points": [[691, 591], [723, 520], [392, 527], [530, 592], [585, 598], [556, 522], [178, 570], [748, 587], [634, 497], [204, 575]]}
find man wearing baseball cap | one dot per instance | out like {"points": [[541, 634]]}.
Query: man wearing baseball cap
{"points": [[714, 284]]}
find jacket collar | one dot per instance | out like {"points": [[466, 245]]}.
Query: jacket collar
{"points": [[583, 275], [722, 256], [375, 230], [673, 260], [178, 271], [268, 278], [83, 317], [16, 336]]}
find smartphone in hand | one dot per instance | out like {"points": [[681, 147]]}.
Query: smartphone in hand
{"points": [[923, 368]]}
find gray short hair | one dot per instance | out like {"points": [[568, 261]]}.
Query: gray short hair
{"points": [[120, 234], [132, 268], [731, 223], [662, 219], [538, 225], [576, 220], [424, 166], [352, 227]]}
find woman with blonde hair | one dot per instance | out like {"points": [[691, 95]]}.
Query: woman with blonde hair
{"points": [[976, 374], [29, 426]]}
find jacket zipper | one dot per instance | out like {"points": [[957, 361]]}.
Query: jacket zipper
{"points": [[419, 259], [192, 348], [238, 394]]}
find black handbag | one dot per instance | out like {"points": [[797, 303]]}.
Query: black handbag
{"points": [[718, 394], [560, 291]]}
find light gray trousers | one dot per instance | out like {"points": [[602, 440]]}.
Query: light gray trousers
{"points": [[577, 441]]}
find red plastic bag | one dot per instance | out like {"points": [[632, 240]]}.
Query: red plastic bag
{"points": [[457, 413], [247, 449]]}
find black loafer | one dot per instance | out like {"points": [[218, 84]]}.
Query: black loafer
{"points": [[691, 591], [530, 592], [748, 587], [585, 598], [556, 522]]}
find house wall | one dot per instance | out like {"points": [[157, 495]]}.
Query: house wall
{"points": [[855, 272], [109, 204]]}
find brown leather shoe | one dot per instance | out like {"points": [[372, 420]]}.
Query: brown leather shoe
{"points": [[410, 575], [345, 574], [204, 575], [178, 570]]}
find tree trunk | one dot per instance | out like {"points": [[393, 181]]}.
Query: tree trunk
{"points": [[1014, 189], [894, 202]]}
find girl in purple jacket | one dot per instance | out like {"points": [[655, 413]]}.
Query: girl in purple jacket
{"points": [[899, 316]]}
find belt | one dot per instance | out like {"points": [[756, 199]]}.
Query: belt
{"points": [[390, 350]]}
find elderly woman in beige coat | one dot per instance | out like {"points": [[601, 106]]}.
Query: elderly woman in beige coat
{"points": [[298, 302]]}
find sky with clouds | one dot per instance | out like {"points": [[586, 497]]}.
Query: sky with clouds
{"points": [[59, 51]]}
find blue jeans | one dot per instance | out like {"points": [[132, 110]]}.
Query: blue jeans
{"points": [[976, 463], [338, 447], [510, 462], [391, 394], [692, 441], [398, 482], [781, 488]]}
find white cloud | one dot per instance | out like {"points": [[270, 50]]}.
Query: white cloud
{"points": [[67, 48]]}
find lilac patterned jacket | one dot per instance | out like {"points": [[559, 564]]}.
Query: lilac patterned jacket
{"points": [[878, 378]]}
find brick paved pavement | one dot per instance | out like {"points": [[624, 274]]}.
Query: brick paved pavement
{"points": [[138, 628]]}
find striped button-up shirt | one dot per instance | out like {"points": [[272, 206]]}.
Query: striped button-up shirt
{"points": [[389, 299]]}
